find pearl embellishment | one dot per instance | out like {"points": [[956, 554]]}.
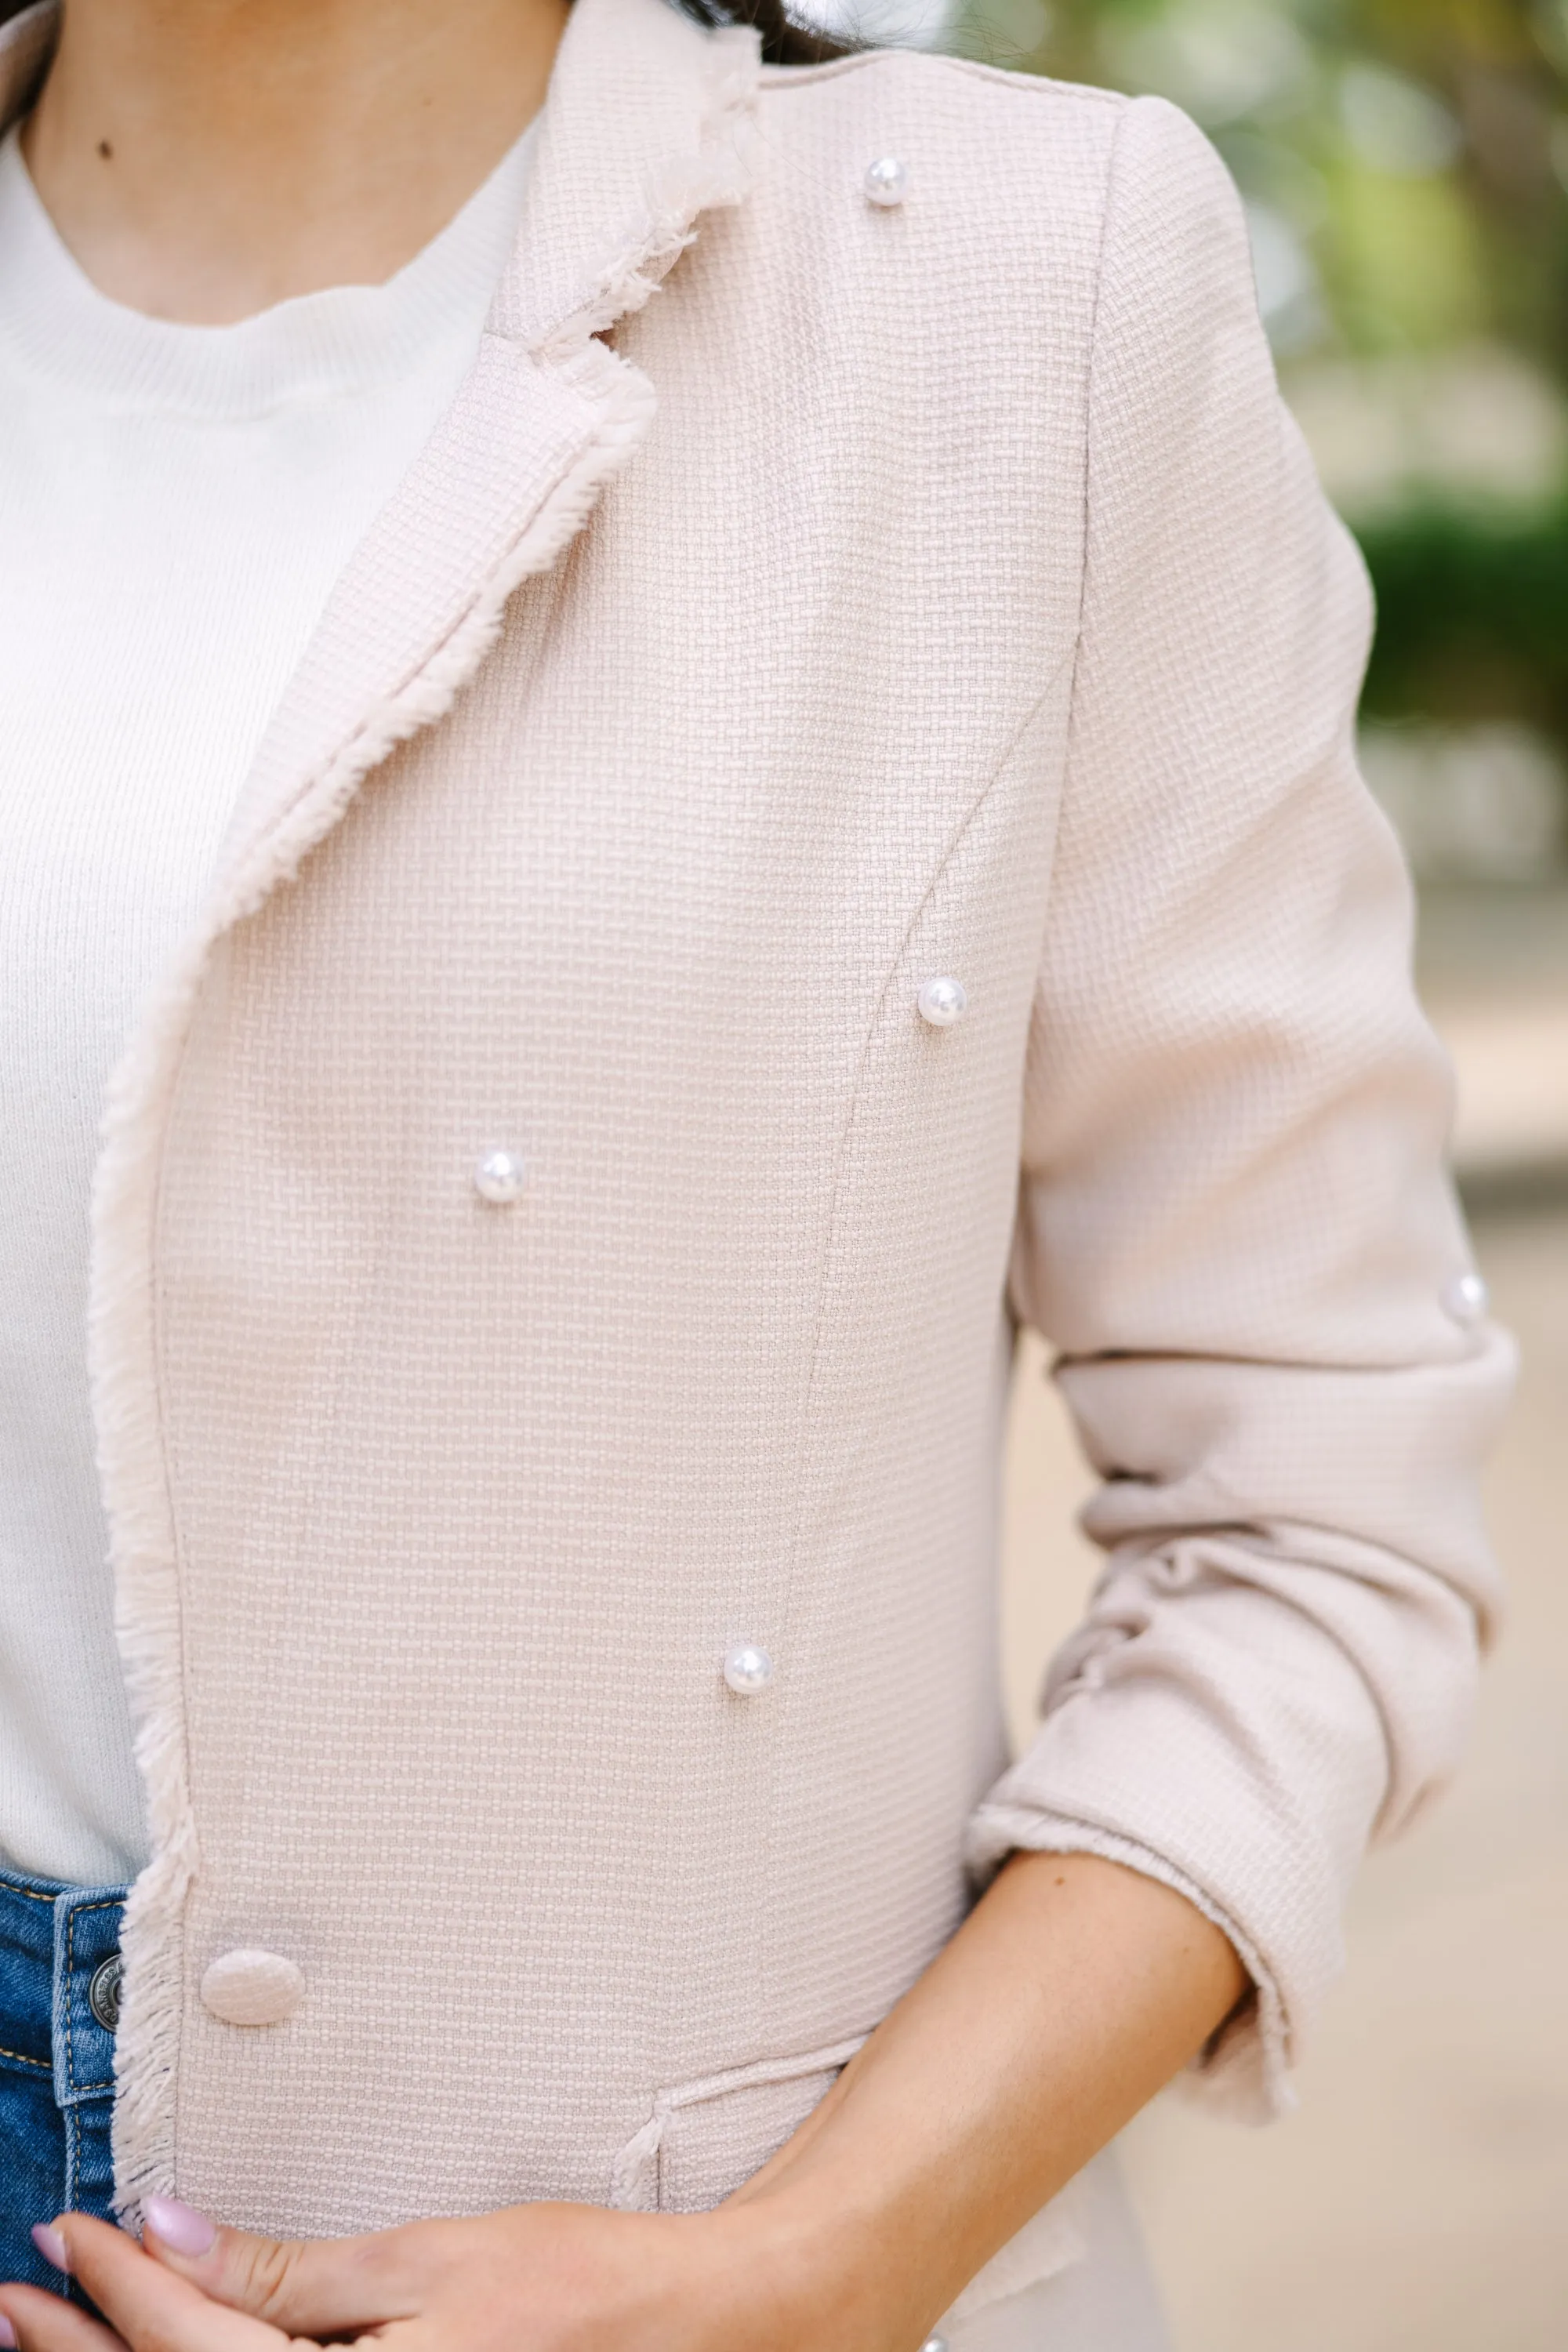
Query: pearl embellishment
{"points": [[934, 2344], [747, 1669], [942, 1002], [1466, 1298], [499, 1177], [886, 182]]}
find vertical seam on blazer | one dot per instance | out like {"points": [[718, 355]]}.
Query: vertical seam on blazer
{"points": [[830, 1225], [1090, 372]]}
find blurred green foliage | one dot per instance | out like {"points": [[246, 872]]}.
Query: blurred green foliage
{"points": [[1472, 617], [1405, 164], [1419, 147]]}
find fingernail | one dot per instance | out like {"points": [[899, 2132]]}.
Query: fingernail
{"points": [[180, 2228], [7, 2335], [52, 2246]]}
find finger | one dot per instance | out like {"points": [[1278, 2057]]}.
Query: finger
{"points": [[44, 2323], [315, 2287], [151, 2309]]}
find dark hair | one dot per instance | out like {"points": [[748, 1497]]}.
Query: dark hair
{"points": [[785, 41]]}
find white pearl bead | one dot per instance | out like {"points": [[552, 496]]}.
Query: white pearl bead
{"points": [[942, 1002], [499, 1177], [1465, 1298], [934, 2344], [886, 182], [747, 1669]]}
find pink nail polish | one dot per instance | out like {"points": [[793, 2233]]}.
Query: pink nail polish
{"points": [[179, 2227], [7, 2335], [52, 2246]]}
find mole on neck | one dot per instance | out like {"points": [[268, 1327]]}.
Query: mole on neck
{"points": [[263, 149]]}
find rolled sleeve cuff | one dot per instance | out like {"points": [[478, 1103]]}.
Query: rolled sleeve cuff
{"points": [[1243, 2070], [1232, 1752]]}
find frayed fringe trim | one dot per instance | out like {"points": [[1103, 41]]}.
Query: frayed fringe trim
{"points": [[717, 176], [122, 1327], [123, 1349], [123, 1335], [629, 401]]}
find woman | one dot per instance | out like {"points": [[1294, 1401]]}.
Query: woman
{"points": [[716, 732]]}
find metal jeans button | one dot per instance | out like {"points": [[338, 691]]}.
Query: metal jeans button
{"points": [[103, 1991]]}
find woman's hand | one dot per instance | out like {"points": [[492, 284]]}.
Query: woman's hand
{"points": [[1071, 1993], [533, 2278]]}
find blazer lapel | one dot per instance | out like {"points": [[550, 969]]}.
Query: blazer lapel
{"points": [[647, 119], [642, 133], [647, 124]]}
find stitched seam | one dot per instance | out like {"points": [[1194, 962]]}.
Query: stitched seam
{"points": [[70, 1999], [19, 2057], [846, 1136], [70, 1971], [1070, 661], [42, 2064], [960, 834], [788, 77], [1090, 376]]}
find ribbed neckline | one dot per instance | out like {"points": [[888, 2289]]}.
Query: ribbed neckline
{"points": [[333, 344]]}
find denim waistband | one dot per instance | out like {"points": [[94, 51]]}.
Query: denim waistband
{"points": [[60, 1982], [59, 2004]]}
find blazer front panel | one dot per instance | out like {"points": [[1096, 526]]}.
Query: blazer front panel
{"points": [[652, 906]]}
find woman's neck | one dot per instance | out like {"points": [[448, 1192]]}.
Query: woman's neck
{"points": [[203, 159]]}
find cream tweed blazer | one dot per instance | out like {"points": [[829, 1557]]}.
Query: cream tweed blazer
{"points": [[804, 600]]}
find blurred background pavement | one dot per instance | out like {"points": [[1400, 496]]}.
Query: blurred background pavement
{"points": [[1403, 164]]}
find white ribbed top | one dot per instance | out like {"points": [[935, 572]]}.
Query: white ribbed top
{"points": [[175, 503]]}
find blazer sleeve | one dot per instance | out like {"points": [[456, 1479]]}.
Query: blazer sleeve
{"points": [[1235, 1224]]}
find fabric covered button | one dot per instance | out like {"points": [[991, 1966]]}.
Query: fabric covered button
{"points": [[1465, 1298], [886, 182], [747, 1669], [499, 1177], [942, 1002], [249, 1988]]}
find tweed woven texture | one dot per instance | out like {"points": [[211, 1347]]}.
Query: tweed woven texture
{"points": [[967, 607]]}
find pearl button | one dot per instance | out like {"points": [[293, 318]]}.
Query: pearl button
{"points": [[886, 182], [499, 1177], [249, 1988], [942, 1002], [934, 2344], [747, 1669], [1465, 1298]]}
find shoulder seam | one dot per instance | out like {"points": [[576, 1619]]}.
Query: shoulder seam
{"points": [[1027, 85]]}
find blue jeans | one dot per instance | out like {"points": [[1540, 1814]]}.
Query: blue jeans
{"points": [[60, 1998]]}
